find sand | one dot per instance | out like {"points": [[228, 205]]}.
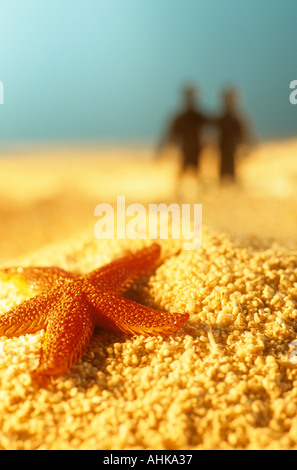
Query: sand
{"points": [[227, 379]]}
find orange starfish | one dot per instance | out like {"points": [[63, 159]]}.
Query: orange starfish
{"points": [[70, 306]]}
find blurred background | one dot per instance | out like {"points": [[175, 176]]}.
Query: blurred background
{"points": [[111, 70], [89, 89]]}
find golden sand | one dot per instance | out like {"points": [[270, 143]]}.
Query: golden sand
{"points": [[226, 380]]}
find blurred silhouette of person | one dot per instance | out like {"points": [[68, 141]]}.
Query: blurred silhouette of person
{"points": [[232, 134], [186, 128]]}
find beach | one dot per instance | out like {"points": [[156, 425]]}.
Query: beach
{"points": [[227, 379]]}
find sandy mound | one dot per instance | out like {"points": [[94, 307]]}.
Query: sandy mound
{"points": [[226, 380]]}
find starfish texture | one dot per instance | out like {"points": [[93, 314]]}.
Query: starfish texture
{"points": [[70, 306]]}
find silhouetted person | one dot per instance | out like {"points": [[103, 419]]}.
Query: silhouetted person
{"points": [[186, 128], [232, 133]]}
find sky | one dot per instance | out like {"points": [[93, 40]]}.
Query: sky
{"points": [[113, 70]]}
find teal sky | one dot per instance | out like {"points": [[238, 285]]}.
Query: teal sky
{"points": [[112, 69]]}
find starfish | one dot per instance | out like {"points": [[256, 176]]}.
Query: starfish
{"points": [[69, 307]]}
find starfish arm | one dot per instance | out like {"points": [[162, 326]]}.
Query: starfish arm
{"points": [[119, 275], [28, 317], [69, 330], [35, 278], [119, 314]]}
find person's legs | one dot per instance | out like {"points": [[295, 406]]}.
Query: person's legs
{"points": [[227, 166]]}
